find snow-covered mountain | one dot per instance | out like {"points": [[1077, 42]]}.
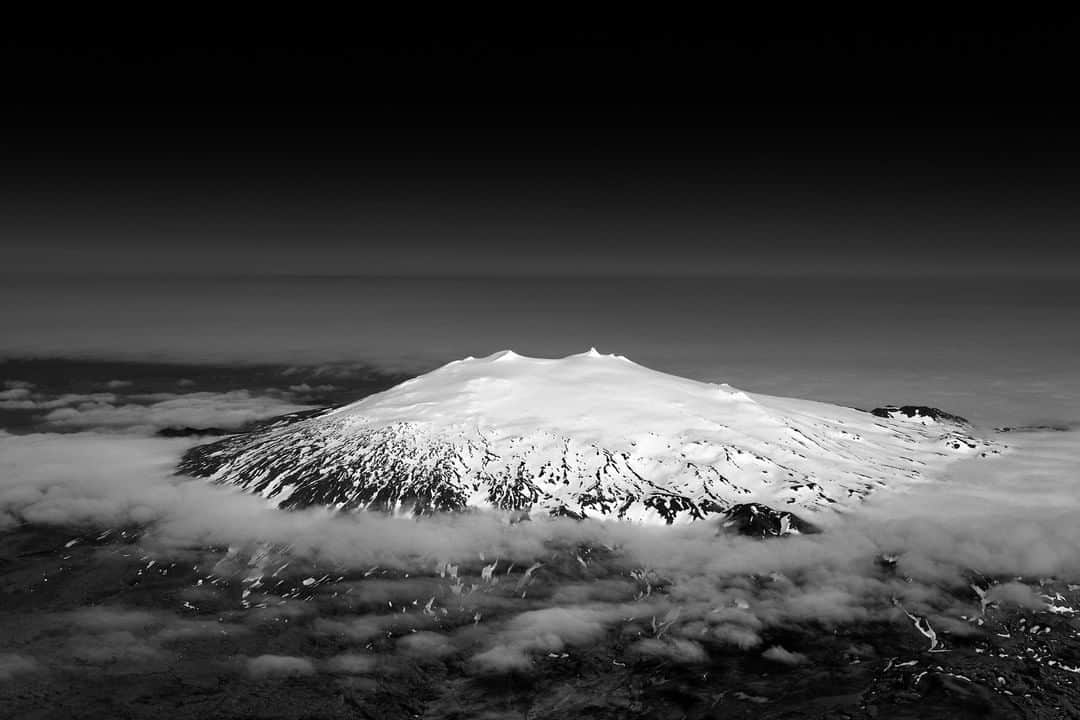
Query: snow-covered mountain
{"points": [[584, 435]]}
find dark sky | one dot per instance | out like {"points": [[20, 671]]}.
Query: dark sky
{"points": [[925, 145]]}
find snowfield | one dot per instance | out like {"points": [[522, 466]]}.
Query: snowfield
{"points": [[588, 435]]}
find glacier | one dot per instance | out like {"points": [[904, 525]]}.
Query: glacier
{"points": [[587, 435]]}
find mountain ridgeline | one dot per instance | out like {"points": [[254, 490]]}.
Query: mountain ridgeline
{"points": [[588, 435]]}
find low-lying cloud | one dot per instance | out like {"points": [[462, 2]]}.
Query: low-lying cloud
{"points": [[276, 666], [228, 410], [22, 398], [673, 594], [114, 410], [783, 656], [13, 664]]}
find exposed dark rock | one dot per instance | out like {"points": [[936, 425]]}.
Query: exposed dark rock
{"points": [[1035, 428], [204, 460], [260, 425], [188, 431], [288, 419], [757, 520], [914, 411]]}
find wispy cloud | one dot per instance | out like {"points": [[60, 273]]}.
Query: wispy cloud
{"points": [[229, 410], [674, 593], [275, 666], [14, 664], [785, 657], [148, 412]]}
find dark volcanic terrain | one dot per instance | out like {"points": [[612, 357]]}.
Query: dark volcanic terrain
{"points": [[130, 591], [109, 628]]}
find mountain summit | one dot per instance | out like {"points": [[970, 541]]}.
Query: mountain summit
{"points": [[586, 435]]}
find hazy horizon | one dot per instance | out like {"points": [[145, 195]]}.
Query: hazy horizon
{"points": [[978, 346], [205, 242]]}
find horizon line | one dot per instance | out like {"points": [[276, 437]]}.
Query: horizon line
{"points": [[1061, 272]]}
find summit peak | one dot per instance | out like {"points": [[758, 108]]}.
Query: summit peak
{"points": [[587, 434]]}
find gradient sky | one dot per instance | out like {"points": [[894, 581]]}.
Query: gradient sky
{"points": [[909, 184], [919, 148]]}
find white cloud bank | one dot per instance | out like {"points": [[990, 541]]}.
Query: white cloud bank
{"points": [[229, 410], [276, 666], [13, 665], [1018, 515], [148, 412]]}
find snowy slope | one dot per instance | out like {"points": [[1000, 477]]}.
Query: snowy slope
{"points": [[585, 435]]}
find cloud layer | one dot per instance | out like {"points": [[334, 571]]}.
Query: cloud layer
{"points": [[531, 589], [228, 410], [149, 412]]}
